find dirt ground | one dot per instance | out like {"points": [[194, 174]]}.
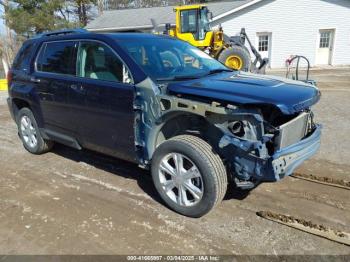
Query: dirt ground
{"points": [[80, 202]]}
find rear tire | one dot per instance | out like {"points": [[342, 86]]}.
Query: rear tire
{"points": [[202, 179], [30, 134], [235, 57]]}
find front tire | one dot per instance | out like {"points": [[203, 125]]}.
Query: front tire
{"points": [[188, 175], [30, 134]]}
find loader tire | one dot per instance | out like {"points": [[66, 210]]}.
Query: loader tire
{"points": [[235, 57]]}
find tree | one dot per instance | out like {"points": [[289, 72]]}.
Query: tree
{"points": [[83, 9], [27, 17], [24, 18], [8, 44]]}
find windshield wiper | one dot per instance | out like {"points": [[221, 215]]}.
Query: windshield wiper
{"points": [[186, 77], [219, 70], [178, 78]]}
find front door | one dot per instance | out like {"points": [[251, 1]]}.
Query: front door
{"points": [[264, 45], [325, 47], [102, 101]]}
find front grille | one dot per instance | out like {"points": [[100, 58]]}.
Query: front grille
{"points": [[293, 131]]}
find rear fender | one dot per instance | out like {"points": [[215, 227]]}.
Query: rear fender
{"points": [[26, 93]]}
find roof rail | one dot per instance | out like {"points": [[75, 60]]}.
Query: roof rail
{"points": [[62, 32]]}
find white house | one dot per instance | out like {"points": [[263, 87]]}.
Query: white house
{"points": [[316, 29]]}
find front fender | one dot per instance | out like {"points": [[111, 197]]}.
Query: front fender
{"points": [[153, 135]]}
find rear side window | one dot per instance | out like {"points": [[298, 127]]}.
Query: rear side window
{"points": [[57, 57], [23, 58]]}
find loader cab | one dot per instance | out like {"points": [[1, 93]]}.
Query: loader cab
{"points": [[192, 25]]}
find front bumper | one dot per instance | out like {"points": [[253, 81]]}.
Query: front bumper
{"points": [[287, 159]]}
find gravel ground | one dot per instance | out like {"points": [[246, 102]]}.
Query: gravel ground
{"points": [[80, 202]]}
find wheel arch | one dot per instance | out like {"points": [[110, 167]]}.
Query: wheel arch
{"points": [[177, 123], [18, 103]]}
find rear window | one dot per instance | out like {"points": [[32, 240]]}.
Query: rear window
{"points": [[23, 58], [57, 57]]}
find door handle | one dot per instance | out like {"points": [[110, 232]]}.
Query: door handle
{"points": [[77, 88], [74, 87], [35, 80]]}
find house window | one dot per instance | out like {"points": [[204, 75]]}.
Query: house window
{"points": [[263, 44], [324, 39]]}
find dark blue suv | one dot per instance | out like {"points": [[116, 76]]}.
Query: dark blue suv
{"points": [[165, 105]]}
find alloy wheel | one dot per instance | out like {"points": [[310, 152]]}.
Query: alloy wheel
{"points": [[28, 132], [181, 179]]}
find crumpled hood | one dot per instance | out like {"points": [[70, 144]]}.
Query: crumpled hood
{"points": [[246, 88]]}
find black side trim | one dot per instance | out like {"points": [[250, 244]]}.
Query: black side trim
{"points": [[60, 138]]}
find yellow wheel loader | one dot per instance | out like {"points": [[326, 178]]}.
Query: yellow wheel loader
{"points": [[192, 25]]}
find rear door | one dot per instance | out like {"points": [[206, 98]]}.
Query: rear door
{"points": [[102, 100], [54, 76]]}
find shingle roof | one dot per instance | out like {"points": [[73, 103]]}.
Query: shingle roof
{"points": [[127, 19]]}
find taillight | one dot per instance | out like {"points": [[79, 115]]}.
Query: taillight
{"points": [[9, 78]]}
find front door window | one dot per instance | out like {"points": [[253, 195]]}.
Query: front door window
{"points": [[98, 61]]}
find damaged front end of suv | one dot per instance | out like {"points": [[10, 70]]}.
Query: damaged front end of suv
{"points": [[200, 125], [259, 135]]}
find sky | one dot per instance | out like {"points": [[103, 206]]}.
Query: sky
{"points": [[2, 25]]}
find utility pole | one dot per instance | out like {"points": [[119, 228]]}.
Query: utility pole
{"points": [[100, 6]]}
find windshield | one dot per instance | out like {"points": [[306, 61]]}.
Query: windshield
{"points": [[169, 59]]}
